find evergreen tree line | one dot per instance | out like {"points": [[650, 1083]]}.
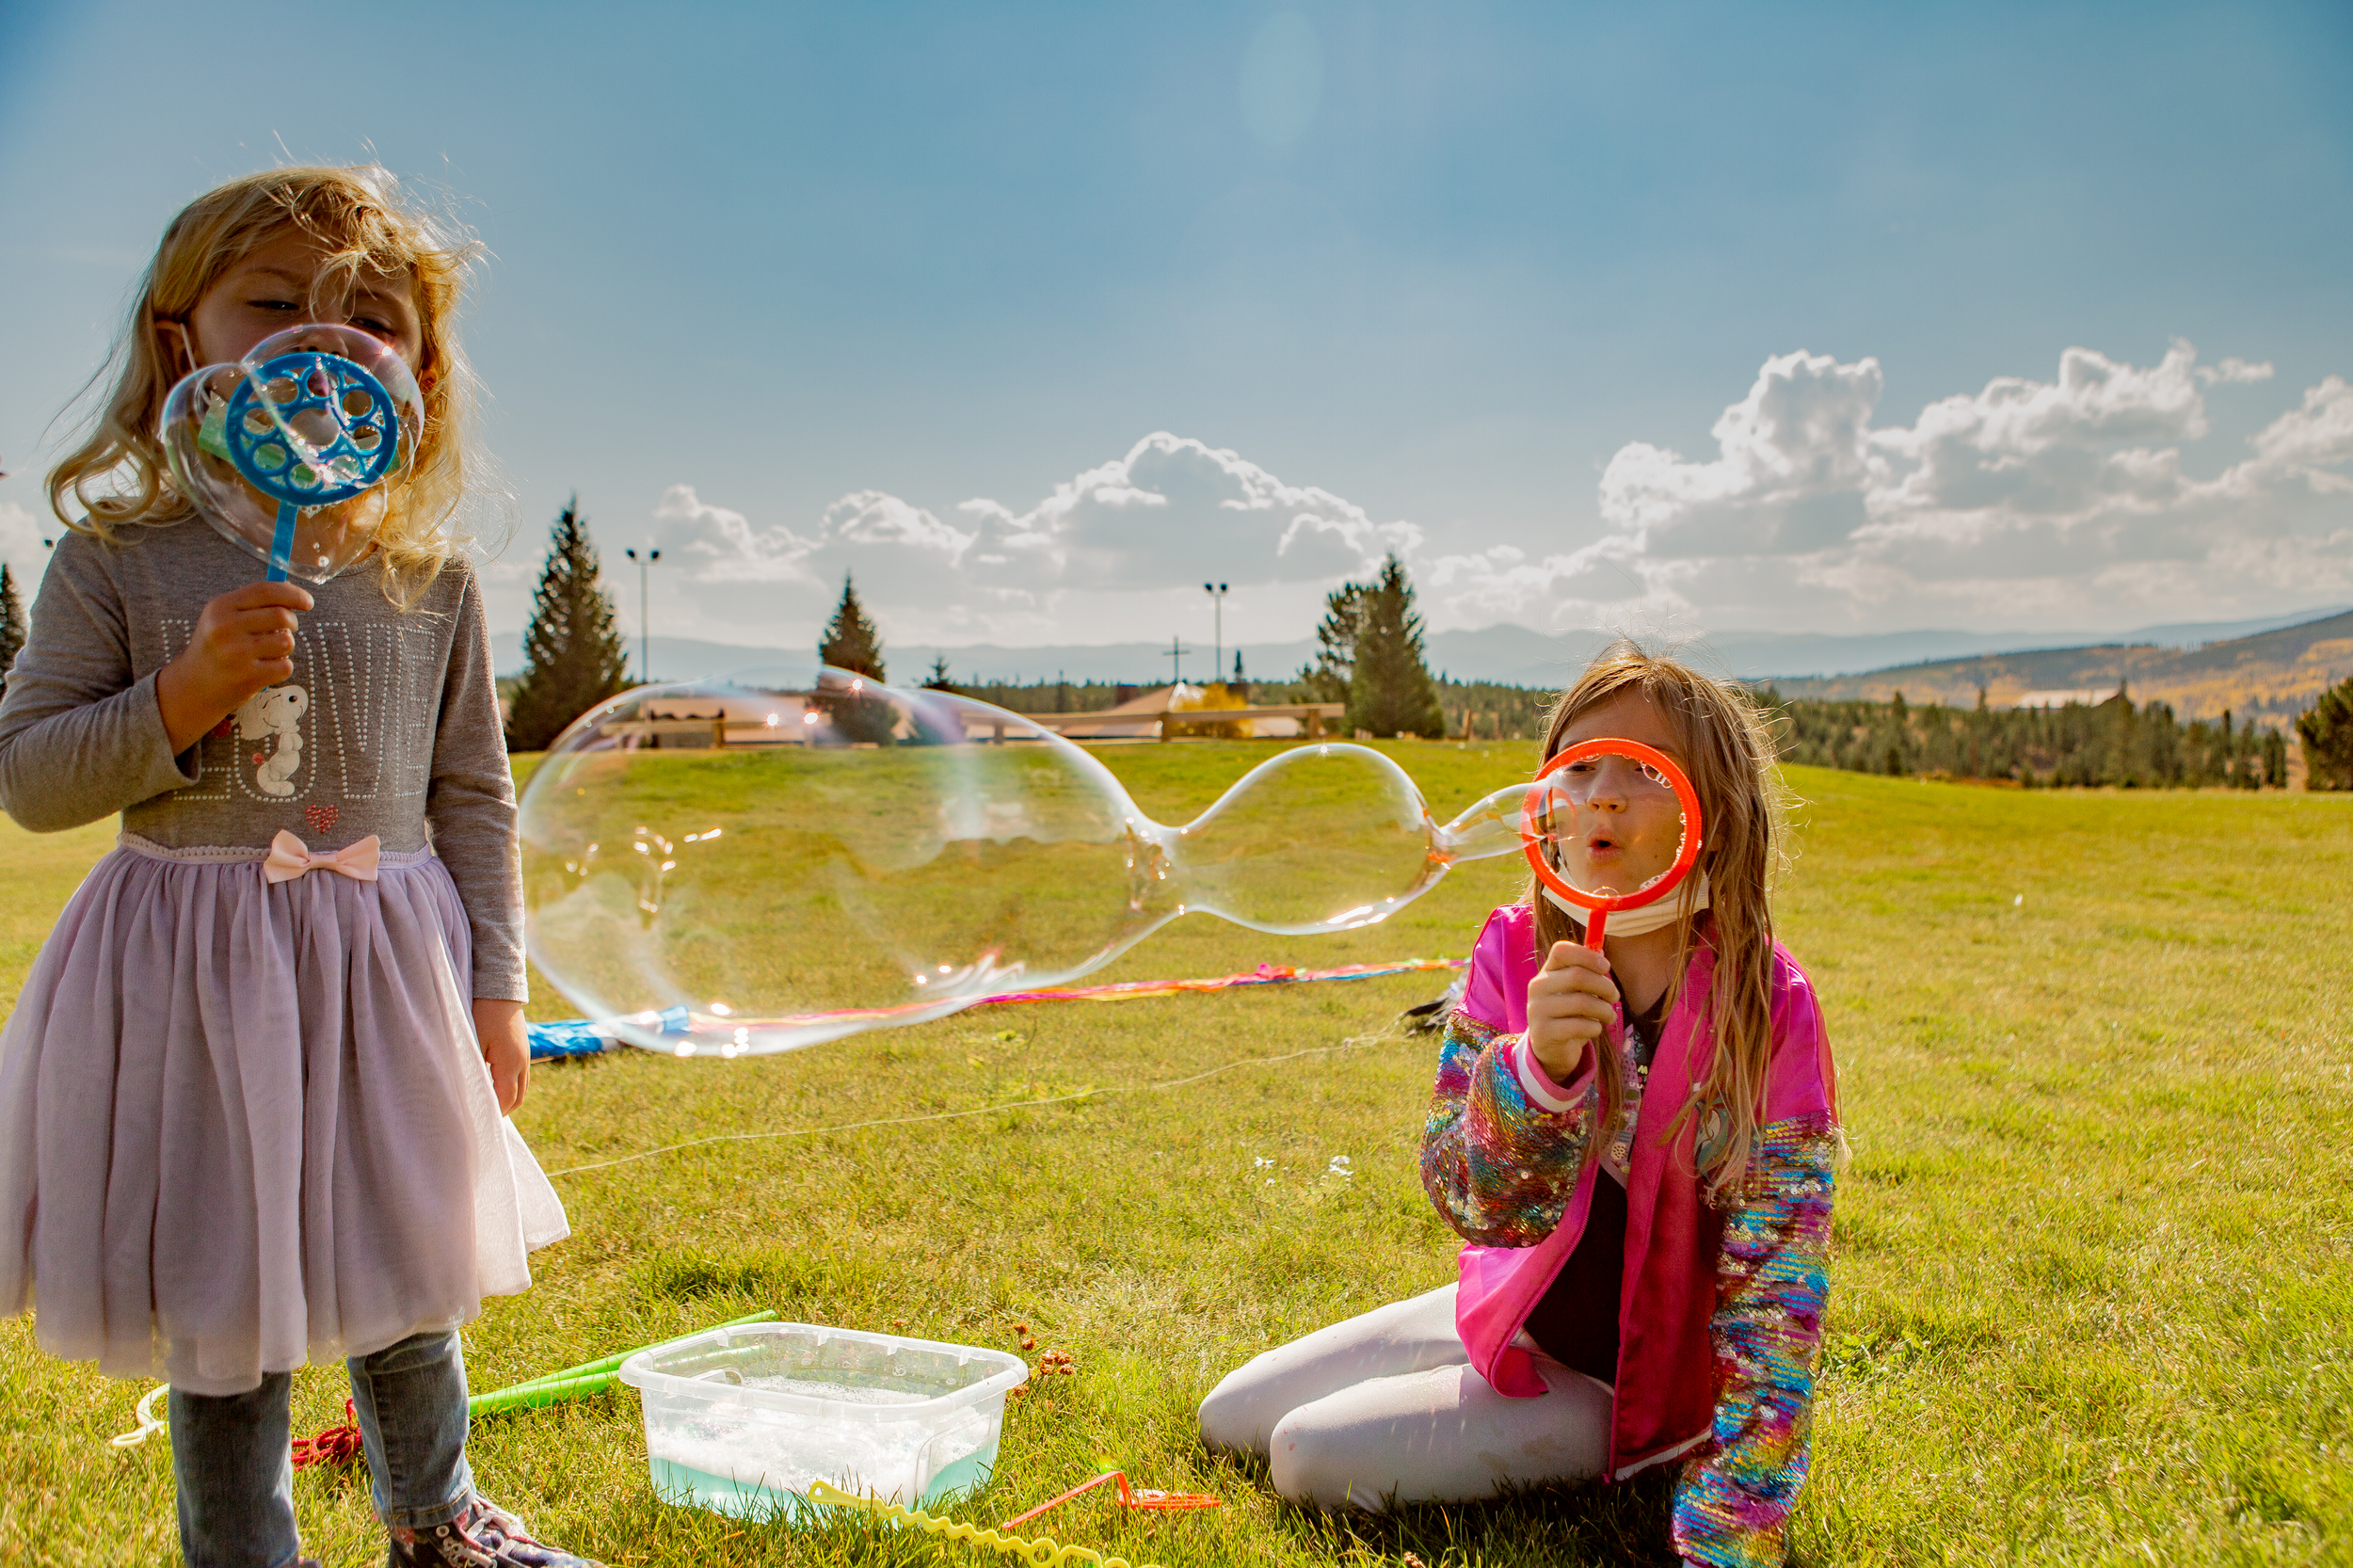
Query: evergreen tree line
{"points": [[1492, 709], [1059, 695], [2111, 742], [1487, 710], [1369, 655]]}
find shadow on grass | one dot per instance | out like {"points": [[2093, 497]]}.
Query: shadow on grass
{"points": [[1557, 1525], [1546, 1527]]}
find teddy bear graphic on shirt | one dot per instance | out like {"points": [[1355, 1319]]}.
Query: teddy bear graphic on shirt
{"points": [[275, 714]]}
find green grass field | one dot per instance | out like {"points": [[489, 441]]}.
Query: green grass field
{"points": [[2095, 1249]]}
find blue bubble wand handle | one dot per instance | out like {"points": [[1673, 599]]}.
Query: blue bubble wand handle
{"points": [[282, 543]]}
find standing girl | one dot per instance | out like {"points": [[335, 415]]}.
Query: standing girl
{"points": [[251, 1095], [1637, 1146]]}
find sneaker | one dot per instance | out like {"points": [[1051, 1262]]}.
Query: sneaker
{"points": [[485, 1536]]}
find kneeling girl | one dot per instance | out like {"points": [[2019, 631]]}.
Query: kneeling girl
{"points": [[1638, 1148]]}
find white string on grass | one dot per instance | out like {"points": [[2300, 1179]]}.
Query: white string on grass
{"points": [[149, 1424], [1349, 1044]]}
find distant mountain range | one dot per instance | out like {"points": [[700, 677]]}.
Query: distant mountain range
{"points": [[1513, 655], [2272, 674]]}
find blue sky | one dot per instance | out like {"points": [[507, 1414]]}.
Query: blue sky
{"points": [[910, 290]]}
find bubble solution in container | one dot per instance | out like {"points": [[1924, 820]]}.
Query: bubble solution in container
{"points": [[740, 1420]]}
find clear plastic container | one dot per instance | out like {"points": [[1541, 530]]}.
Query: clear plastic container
{"points": [[742, 1419]]}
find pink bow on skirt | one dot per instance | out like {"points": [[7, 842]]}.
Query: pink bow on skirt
{"points": [[289, 859]]}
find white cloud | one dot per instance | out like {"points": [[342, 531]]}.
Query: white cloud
{"points": [[721, 545], [1174, 509], [21, 534], [2066, 500], [2076, 502], [2319, 433], [2234, 370], [1502, 583], [1171, 511], [870, 516], [1792, 458]]}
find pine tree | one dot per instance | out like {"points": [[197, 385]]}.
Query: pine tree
{"points": [[851, 641], [938, 681], [11, 623], [573, 655], [1329, 676], [1390, 692], [2327, 731]]}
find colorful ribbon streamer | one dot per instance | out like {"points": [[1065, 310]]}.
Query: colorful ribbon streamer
{"points": [[581, 1037]]}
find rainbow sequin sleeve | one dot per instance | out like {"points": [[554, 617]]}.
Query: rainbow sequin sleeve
{"points": [[1733, 1501], [1499, 1166]]}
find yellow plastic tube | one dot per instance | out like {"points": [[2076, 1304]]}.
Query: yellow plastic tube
{"points": [[1040, 1553]]}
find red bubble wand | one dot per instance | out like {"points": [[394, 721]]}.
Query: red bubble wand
{"points": [[1600, 906]]}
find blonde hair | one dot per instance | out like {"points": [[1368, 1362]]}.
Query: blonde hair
{"points": [[118, 476], [1729, 755]]}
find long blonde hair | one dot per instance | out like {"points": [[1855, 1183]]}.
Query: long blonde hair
{"points": [[1730, 758], [117, 477]]}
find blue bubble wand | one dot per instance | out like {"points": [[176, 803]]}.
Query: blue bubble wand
{"points": [[258, 429], [311, 419]]}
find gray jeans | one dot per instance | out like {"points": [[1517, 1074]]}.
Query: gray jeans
{"points": [[1385, 1405], [230, 1454]]}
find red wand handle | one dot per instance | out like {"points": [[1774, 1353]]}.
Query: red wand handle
{"points": [[1128, 1498]]}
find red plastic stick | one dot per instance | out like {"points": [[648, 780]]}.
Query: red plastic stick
{"points": [[1129, 1497]]}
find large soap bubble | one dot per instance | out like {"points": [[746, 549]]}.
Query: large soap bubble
{"points": [[780, 858]]}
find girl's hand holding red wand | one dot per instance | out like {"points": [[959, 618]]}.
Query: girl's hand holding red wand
{"points": [[1569, 1003]]}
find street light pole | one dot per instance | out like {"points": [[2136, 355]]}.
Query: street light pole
{"points": [[644, 614], [1217, 597]]}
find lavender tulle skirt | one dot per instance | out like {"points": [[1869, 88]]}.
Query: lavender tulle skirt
{"points": [[244, 1125]]}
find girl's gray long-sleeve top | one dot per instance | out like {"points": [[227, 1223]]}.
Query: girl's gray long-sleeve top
{"points": [[390, 726]]}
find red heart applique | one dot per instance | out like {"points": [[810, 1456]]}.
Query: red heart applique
{"points": [[321, 818]]}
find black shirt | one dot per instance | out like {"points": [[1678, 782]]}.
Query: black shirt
{"points": [[1577, 1321]]}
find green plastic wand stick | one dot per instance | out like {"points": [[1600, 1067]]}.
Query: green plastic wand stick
{"points": [[573, 1382]]}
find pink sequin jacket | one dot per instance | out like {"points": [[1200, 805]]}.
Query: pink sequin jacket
{"points": [[1721, 1312]]}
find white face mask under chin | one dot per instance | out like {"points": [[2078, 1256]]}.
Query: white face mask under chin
{"points": [[1688, 899]]}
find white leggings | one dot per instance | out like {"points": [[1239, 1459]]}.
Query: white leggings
{"points": [[1387, 1406]]}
